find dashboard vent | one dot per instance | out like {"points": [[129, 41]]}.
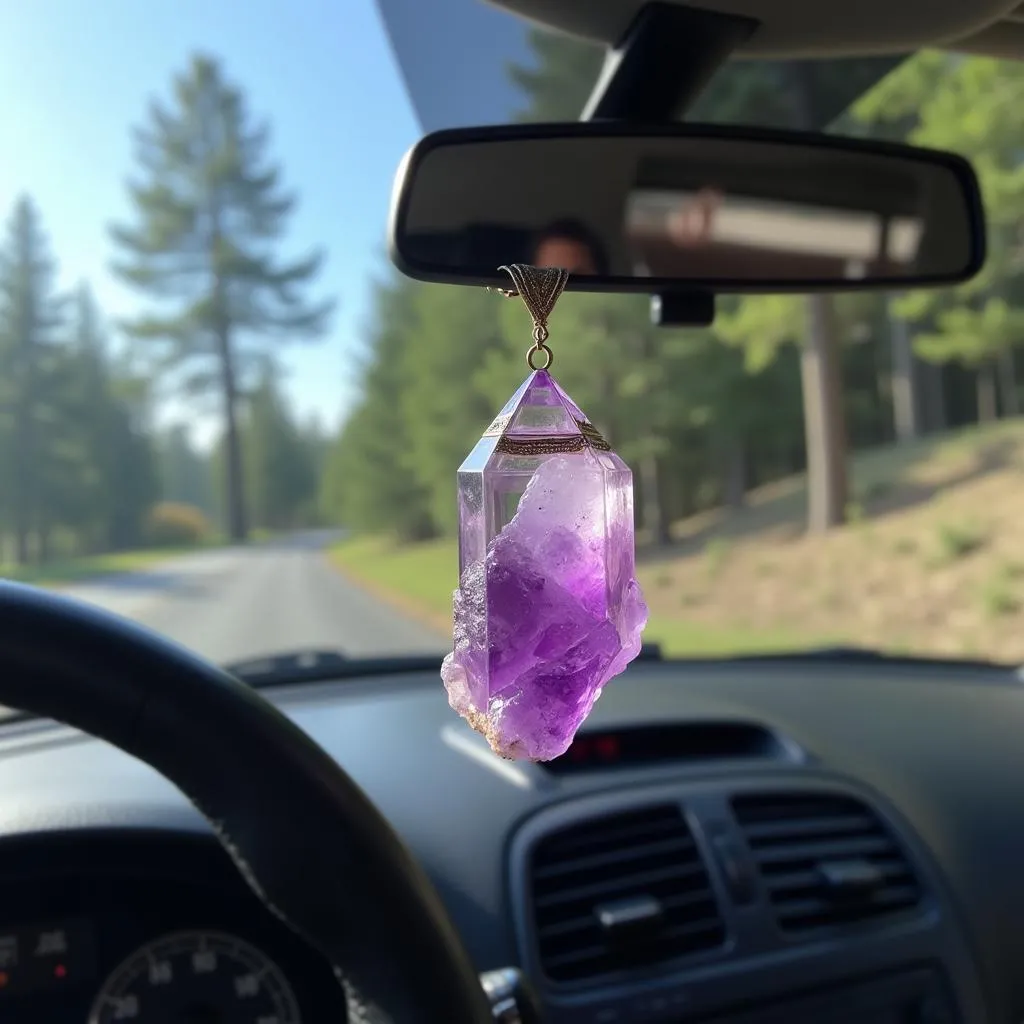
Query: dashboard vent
{"points": [[619, 893], [826, 861]]}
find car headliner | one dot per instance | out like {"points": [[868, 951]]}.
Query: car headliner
{"points": [[454, 57], [454, 54], [809, 28]]}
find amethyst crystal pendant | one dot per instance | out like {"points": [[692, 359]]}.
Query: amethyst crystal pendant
{"points": [[548, 608]]}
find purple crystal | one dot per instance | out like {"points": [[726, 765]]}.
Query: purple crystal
{"points": [[548, 608]]}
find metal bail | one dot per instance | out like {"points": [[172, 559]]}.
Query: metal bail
{"points": [[538, 287]]}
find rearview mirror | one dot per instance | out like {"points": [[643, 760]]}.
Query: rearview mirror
{"points": [[685, 208]]}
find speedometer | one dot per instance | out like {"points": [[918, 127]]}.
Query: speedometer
{"points": [[198, 978]]}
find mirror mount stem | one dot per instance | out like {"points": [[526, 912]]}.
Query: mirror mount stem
{"points": [[683, 309], [663, 62]]}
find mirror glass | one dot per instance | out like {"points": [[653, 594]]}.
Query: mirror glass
{"points": [[725, 212]]}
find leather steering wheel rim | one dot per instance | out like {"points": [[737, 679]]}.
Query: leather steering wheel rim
{"points": [[302, 833]]}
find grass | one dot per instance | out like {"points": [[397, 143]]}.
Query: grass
{"points": [[680, 638], [419, 579], [958, 540], [932, 561], [1000, 594]]}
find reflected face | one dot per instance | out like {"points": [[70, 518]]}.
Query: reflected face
{"points": [[567, 253]]}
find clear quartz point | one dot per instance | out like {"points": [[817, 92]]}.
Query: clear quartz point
{"points": [[548, 608]]}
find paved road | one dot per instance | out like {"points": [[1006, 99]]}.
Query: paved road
{"points": [[240, 603]]}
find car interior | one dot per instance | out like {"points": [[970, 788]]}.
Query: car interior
{"points": [[833, 836]]}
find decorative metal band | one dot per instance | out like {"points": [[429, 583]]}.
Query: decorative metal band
{"points": [[593, 436], [564, 444]]}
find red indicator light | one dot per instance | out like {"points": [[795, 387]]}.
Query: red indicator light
{"points": [[4, 979], [60, 971], [608, 747]]}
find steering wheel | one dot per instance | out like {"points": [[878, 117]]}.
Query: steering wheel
{"points": [[301, 832]]}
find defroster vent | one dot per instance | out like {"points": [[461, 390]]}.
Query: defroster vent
{"points": [[826, 860], [619, 893]]}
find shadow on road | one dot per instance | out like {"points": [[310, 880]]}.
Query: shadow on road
{"points": [[197, 573], [148, 581]]}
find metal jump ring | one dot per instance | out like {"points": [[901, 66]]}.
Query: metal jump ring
{"points": [[549, 356]]}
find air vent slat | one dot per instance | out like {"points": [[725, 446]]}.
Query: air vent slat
{"points": [[788, 830], [582, 878], [825, 861], [786, 879], [589, 954], [625, 835], [621, 885], [595, 955], [611, 857], [583, 922], [824, 849], [895, 898]]}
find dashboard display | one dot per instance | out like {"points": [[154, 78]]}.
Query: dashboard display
{"points": [[45, 957], [658, 744], [197, 976]]}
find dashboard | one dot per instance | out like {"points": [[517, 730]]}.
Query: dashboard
{"points": [[741, 842]]}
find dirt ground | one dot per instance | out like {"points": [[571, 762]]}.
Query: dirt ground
{"points": [[931, 561]]}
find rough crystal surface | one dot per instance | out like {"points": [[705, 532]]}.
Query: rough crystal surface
{"points": [[548, 608]]}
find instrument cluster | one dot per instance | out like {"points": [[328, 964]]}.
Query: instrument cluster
{"points": [[174, 935]]}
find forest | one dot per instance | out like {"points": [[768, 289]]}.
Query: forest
{"points": [[87, 465], [706, 416], [708, 419], [810, 469]]}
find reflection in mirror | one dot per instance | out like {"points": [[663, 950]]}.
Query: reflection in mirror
{"points": [[567, 243], [684, 233], [713, 210]]}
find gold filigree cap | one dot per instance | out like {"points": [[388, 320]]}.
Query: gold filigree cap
{"points": [[539, 288]]}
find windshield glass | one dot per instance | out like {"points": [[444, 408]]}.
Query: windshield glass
{"points": [[224, 415]]}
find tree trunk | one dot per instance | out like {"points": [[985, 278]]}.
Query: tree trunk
{"points": [[986, 390], [734, 473], [934, 397], [23, 489], [653, 516], [656, 516], [820, 371], [43, 541], [235, 481], [905, 404], [824, 423], [1008, 383], [234, 478], [20, 498]]}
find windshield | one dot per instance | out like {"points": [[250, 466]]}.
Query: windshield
{"points": [[224, 415]]}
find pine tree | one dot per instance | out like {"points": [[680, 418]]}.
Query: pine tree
{"points": [[116, 482], [281, 475], [185, 474], [208, 209], [99, 492], [31, 315], [564, 72], [368, 482]]}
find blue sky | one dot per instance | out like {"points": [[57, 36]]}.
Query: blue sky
{"points": [[75, 76]]}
